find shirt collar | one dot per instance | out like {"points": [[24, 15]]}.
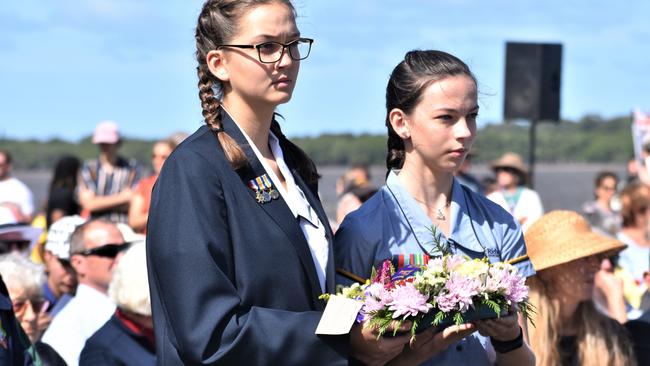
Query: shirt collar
{"points": [[421, 224], [293, 195]]}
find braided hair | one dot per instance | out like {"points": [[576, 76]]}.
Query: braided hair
{"points": [[407, 82]]}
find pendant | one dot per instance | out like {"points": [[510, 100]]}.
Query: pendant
{"points": [[440, 215]]}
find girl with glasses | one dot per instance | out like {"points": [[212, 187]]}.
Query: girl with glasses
{"points": [[239, 247]]}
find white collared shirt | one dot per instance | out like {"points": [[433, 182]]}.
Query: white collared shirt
{"points": [[311, 226], [77, 321]]}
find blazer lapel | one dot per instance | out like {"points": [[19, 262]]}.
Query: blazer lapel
{"points": [[277, 209]]}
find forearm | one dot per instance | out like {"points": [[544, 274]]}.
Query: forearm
{"points": [[137, 220], [100, 203]]}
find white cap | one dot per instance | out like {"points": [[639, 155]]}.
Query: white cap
{"points": [[58, 237]]}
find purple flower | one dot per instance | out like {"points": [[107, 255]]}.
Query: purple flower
{"points": [[506, 281], [458, 294], [408, 301], [384, 275]]}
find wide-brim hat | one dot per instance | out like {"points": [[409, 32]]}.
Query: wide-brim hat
{"points": [[560, 237], [20, 231], [510, 160]]}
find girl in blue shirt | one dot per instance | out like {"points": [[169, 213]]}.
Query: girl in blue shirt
{"points": [[431, 103]]}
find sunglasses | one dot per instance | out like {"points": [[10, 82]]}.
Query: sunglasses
{"points": [[7, 246], [106, 250], [39, 304]]}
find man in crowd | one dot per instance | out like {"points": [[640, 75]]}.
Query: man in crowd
{"points": [[61, 283], [94, 250], [13, 190], [106, 184]]}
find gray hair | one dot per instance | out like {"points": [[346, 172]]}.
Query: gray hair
{"points": [[19, 272], [129, 288]]}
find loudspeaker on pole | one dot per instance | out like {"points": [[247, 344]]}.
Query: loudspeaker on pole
{"points": [[533, 80]]}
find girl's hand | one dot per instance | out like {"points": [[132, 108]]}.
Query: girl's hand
{"points": [[368, 347], [431, 342], [505, 328]]}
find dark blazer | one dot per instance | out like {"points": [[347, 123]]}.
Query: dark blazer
{"points": [[116, 345], [232, 280], [15, 348]]}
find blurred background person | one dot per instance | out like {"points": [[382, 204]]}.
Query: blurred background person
{"points": [[107, 183], [61, 283], [599, 212], [466, 178], [139, 206], [512, 194], [353, 188], [13, 190], [24, 280], [16, 236], [127, 337], [569, 330], [61, 199], [635, 260], [94, 248]]}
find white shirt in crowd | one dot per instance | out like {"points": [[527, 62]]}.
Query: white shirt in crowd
{"points": [[15, 191], [78, 320], [529, 206]]}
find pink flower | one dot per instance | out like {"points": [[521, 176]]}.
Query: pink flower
{"points": [[408, 301], [377, 297], [459, 293]]}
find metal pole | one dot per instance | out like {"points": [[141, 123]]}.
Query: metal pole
{"points": [[531, 154]]}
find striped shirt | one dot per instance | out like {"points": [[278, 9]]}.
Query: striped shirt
{"points": [[94, 177]]}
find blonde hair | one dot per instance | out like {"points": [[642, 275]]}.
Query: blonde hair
{"points": [[600, 339], [129, 288]]}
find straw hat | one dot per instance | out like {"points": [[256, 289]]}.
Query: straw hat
{"points": [[510, 160], [564, 236]]}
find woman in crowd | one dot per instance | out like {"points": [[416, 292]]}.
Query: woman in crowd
{"points": [[599, 212], [568, 329], [139, 207], [512, 194], [239, 248], [635, 260], [127, 337], [431, 111], [61, 199], [24, 281]]}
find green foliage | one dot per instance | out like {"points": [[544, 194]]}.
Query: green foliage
{"points": [[592, 139], [494, 306]]}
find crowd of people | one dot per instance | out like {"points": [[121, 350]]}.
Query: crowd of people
{"points": [[220, 257]]}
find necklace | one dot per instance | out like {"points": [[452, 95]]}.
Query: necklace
{"points": [[440, 214]]}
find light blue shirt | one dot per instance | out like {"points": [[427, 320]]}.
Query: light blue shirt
{"points": [[392, 223]]}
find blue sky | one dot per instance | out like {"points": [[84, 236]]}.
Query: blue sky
{"points": [[66, 65]]}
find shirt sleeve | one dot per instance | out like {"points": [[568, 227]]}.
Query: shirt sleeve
{"points": [[513, 247], [87, 181], [354, 252]]}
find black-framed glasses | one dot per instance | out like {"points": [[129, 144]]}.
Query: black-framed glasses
{"points": [[106, 250], [271, 52]]}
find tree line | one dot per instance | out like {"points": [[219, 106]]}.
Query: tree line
{"points": [[591, 139]]}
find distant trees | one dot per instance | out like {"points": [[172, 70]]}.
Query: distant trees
{"points": [[592, 139]]}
